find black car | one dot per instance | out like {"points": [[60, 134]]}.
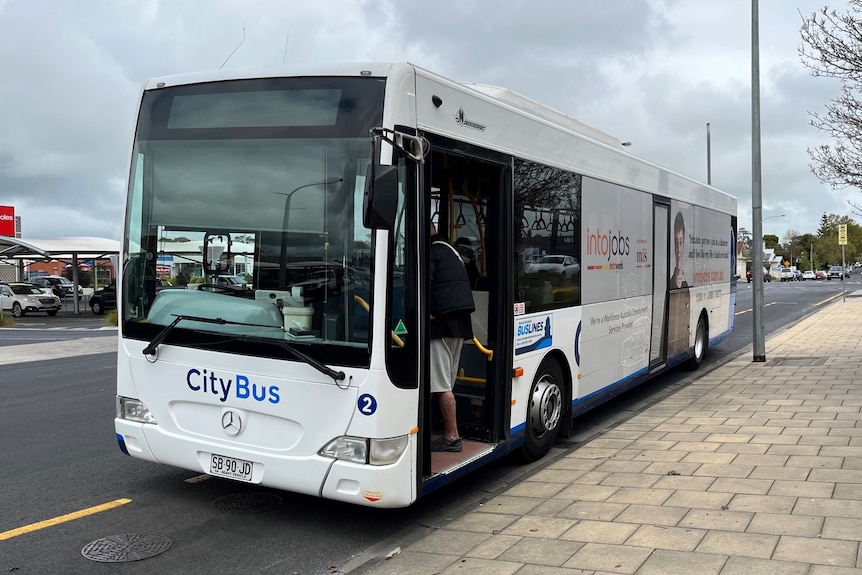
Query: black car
{"points": [[60, 285], [105, 298]]}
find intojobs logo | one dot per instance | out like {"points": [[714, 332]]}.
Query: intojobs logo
{"points": [[611, 247]]}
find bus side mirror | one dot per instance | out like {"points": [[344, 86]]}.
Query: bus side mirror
{"points": [[380, 202]]}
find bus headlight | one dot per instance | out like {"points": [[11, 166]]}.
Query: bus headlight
{"points": [[365, 451], [133, 410]]}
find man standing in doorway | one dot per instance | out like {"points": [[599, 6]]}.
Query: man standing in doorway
{"points": [[451, 303]]}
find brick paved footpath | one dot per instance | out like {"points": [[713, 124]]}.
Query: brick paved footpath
{"points": [[753, 468]]}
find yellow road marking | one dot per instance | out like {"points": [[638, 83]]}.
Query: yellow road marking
{"points": [[62, 519], [827, 300]]}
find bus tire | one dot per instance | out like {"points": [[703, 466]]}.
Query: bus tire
{"points": [[545, 409], [701, 341]]}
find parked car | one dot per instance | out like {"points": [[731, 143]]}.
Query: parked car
{"points": [[820, 274], [564, 266], [23, 298], [233, 281], [835, 272], [105, 298], [809, 275], [766, 276], [61, 286], [29, 277], [786, 275]]}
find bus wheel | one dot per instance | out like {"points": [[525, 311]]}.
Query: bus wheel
{"points": [[701, 340], [544, 412]]}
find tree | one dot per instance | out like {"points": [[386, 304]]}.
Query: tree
{"points": [[832, 47], [770, 241], [826, 245], [793, 246]]}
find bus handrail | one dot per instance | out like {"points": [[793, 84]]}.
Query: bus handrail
{"points": [[483, 349], [367, 308]]}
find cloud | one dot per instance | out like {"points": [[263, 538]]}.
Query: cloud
{"points": [[652, 72]]}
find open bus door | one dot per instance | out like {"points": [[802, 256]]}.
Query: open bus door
{"points": [[463, 196]]}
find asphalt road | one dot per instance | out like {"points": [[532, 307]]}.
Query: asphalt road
{"points": [[58, 455]]}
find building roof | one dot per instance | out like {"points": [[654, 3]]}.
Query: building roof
{"points": [[59, 248]]}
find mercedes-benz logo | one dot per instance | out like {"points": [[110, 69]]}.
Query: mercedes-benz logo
{"points": [[231, 423]]}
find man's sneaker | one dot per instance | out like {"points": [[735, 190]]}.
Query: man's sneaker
{"points": [[442, 444]]}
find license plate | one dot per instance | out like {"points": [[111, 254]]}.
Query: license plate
{"points": [[230, 467]]}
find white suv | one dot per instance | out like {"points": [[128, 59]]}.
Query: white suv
{"points": [[835, 272], [24, 298]]}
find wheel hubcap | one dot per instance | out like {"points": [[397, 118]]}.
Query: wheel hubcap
{"points": [[546, 406]]}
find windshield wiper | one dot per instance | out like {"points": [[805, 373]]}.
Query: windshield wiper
{"points": [[162, 335], [336, 375], [154, 345]]}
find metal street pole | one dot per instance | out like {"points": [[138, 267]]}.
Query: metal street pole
{"points": [[282, 261], [708, 158], [759, 354]]}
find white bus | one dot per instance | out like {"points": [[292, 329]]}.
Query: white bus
{"points": [[596, 270]]}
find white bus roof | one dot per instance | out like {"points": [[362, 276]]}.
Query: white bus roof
{"points": [[548, 132]]}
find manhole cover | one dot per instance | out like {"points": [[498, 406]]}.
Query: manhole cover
{"points": [[797, 361], [247, 503], [126, 547]]}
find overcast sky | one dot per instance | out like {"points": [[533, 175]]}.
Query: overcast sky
{"points": [[652, 72]]}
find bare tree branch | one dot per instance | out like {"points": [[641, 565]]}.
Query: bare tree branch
{"points": [[832, 47]]}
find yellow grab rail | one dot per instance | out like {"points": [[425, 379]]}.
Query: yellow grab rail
{"points": [[367, 308]]}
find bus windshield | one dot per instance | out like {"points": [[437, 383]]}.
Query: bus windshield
{"points": [[246, 197]]}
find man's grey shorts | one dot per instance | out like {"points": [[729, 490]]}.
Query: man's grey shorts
{"points": [[445, 358]]}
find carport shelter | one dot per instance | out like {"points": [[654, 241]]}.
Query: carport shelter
{"points": [[65, 249]]}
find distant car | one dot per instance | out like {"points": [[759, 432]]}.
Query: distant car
{"points": [[24, 298], [61, 286], [29, 277], [232, 281], [566, 267], [786, 275], [809, 275], [103, 299], [766, 276], [835, 272], [820, 274]]}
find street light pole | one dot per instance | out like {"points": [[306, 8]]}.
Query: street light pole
{"points": [[759, 350], [708, 158], [282, 260]]}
